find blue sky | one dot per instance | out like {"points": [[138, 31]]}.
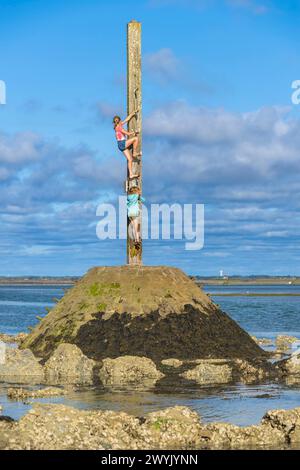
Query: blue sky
{"points": [[219, 129]]}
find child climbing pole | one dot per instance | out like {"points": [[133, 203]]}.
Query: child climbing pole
{"points": [[134, 102], [134, 201], [127, 140]]}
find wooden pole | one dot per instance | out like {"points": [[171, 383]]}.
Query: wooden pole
{"points": [[134, 101]]}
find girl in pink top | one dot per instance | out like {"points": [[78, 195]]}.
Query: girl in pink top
{"points": [[124, 143]]}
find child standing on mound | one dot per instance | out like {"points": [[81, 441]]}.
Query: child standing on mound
{"points": [[134, 199], [124, 143]]}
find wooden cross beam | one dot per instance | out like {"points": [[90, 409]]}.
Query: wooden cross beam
{"points": [[134, 101]]}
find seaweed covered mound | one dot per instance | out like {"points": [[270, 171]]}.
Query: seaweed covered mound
{"points": [[156, 312]]}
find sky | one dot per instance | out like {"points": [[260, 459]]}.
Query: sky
{"points": [[219, 129]]}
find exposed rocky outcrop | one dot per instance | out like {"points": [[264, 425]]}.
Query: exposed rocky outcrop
{"points": [[218, 371], [68, 365], [249, 371], [21, 366], [172, 362], [18, 338], [129, 370], [209, 371], [229, 436], [284, 342], [285, 421], [290, 366], [23, 393], [263, 341], [154, 312], [172, 428], [61, 427]]}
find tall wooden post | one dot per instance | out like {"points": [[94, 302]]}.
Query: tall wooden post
{"points": [[134, 101]]}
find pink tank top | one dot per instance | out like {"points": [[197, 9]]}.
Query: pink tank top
{"points": [[118, 131]]}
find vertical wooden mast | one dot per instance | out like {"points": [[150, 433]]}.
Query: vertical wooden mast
{"points": [[134, 101]]}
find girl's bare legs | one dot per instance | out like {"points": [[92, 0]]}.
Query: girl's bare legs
{"points": [[129, 160], [134, 141], [137, 233], [135, 225]]}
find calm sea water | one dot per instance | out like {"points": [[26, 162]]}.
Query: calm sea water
{"points": [[239, 404], [262, 316], [19, 305]]}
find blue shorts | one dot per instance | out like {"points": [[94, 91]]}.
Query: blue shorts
{"points": [[122, 145]]}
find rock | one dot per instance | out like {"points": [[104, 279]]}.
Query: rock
{"points": [[229, 436], [23, 394], [20, 337], [13, 338], [210, 371], [173, 428], [252, 371], [21, 366], [286, 421], [155, 312], [6, 423], [69, 365], [129, 369], [290, 366], [59, 427], [284, 342], [292, 380], [278, 355], [172, 362], [263, 341], [6, 419]]}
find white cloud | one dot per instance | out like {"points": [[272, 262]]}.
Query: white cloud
{"points": [[107, 110], [163, 65], [206, 140], [254, 7], [20, 147], [277, 233], [243, 166], [216, 254]]}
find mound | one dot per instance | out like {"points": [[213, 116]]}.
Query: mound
{"points": [[156, 312]]}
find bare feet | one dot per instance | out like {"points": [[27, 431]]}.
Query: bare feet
{"points": [[131, 177], [135, 155]]}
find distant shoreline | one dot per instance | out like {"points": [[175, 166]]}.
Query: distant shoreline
{"points": [[37, 282], [254, 294], [248, 281], [202, 281]]}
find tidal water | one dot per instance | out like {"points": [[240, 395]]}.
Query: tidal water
{"points": [[239, 404], [19, 305]]}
